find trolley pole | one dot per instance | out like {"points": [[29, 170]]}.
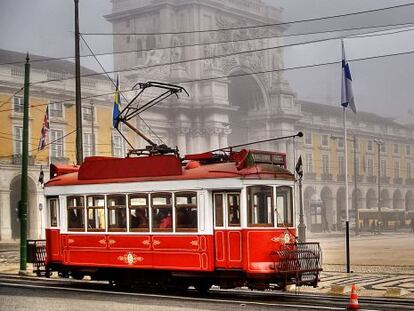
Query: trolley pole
{"points": [[25, 155], [79, 143], [379, 142], [301, 226]]}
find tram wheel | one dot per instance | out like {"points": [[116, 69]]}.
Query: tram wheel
{"points": [[202, 287]]}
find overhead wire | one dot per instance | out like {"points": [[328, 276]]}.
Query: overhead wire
{"points": [[50, 59], [244, 74], [313, 19], [114, 84], [195, 59]]}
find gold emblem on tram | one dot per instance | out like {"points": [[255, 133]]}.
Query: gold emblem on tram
{"points": [[146, 242], [156, 242], [111, 242], [194, 243], [130, 258], [102, 242]]}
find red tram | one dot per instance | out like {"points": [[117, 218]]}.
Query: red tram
{"points": [[224, 219]]}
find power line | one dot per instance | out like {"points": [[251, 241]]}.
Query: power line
{"points": [[113, 82], [51, 59], [243, 74], [9, 99], [196, 59], [252, 26]]}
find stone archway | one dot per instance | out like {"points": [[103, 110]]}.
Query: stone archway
{"points": [[397, 200], [248, 99], [340, 207], [307, 196], [357, 200], [385, 198], [372, 200], [32, 211], [409, 201], [327, 209]]}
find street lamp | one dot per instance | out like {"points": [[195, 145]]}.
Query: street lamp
{"points": [[379, 142]]}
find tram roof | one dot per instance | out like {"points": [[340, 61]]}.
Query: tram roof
{"points": [[103, 170]]}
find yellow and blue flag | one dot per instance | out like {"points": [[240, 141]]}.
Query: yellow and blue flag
{"points": [[117, 105]]}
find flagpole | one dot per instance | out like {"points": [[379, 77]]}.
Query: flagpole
{"points": [[348, 268]]}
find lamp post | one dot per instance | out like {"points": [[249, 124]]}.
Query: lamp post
{"points": [[379, 142]]}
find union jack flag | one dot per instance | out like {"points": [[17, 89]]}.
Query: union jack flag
{"points": [[45, 130]]}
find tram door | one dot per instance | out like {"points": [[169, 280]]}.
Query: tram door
{"points": [[227, 230]]}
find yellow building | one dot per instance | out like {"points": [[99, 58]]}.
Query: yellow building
{"points": [[324, 167], [99, 138]]}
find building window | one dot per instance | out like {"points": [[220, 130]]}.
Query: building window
{"points": [[118, 146], [408, 150], [260, 206], [96, 213], [186, 211], [396, 148], [75, 209], [56, 110], [138, 212], [383, 168], [18, 139], [116, 212], [356, 163], [383, 147], [56, 141], [341, 165], [87, 113], [396, 169], [369, 145], [308, 163], [18, 104], [409, 175], [308, 138], [140, 54], [340, 142], [370, 167], [325, 140], [88, 144], [325, 164], [151, 43]]}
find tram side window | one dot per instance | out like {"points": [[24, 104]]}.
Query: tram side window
{"points": [[76, 218], [233, 203], [96, 213], [138, 212], [186, 211], [260, 206], [161, 205], [218, 209], [284, 206], [116, 204], [53, 212]]}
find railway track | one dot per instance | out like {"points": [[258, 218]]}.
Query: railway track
{"points": [[244, 298]]}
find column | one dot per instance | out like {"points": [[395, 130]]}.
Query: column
{"points": [[214, 140], [224, 138], [182, 140]]}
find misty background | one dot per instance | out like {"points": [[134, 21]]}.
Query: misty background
{"points": [[382, 85]]}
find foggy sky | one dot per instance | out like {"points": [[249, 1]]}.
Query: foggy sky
{"points": [[383, 86]]}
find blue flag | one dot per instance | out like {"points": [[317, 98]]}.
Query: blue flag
{"points": [[117, 105], [347, 95]]}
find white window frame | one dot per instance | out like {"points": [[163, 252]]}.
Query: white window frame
{"points": [[54, 145]]}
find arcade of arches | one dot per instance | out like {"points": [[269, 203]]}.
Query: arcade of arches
{"points": [[325, 208]]}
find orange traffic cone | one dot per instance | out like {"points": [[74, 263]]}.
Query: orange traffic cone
{"points": [[353, 299]]}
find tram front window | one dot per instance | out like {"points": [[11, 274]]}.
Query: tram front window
{"points": [[116, 212], [186, 211], [161, 206], [96, 213], [75, 208], [260, 206], [284, 206]]}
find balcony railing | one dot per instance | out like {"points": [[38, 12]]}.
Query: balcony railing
{"points": [[397, 181], [409, 181], [17, 159], [326, 176], [372, 179]]}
